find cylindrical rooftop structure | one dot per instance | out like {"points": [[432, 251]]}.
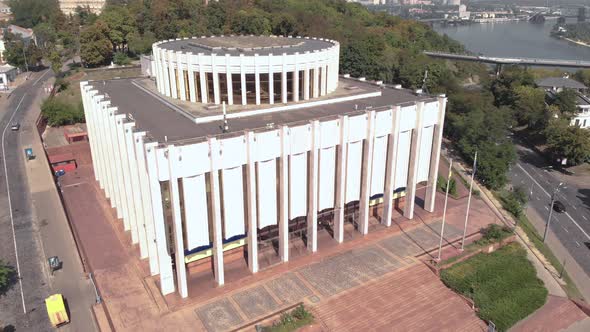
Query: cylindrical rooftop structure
{"points": [[246, 70]]}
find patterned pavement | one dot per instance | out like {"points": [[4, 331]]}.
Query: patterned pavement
{"points": [[323, 280]]}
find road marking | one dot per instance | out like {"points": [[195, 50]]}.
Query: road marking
{"points": [[20, 281], [584, 217], [565, 229], [538, 198], [546, 193], [575, 208], [37, 81], [578, 243], [546, 208]]}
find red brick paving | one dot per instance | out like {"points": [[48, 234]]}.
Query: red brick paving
{"points": [[557, 314], [410, 300]]}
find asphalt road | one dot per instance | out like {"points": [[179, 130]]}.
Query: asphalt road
{"points": [[28, 238], [571, 228]]}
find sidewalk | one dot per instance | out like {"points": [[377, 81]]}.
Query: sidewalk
{"points": [[55, 232]]}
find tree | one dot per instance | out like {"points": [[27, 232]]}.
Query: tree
{"points": [[16, 50], [46, 35], [59, 113], [119, 24], [529, 106], [565, 141], [7, 276], [583, 76], [503, 88], [139, 44], [96, 48], [29, 13], [56, 62], [565, 100], [254, 23]]}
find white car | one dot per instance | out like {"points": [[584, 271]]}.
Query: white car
{"points": [[15, 126]]}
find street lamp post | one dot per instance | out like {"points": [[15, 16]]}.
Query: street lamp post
{"points": [[548, 223]]}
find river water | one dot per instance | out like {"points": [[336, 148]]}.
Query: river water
{"points": [[515, 39]]}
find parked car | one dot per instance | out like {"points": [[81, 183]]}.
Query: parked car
{"points": [[558, 206], [15, 126]]}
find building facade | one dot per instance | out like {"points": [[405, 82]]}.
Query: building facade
{"points": [[200, 198], [69, 7]]}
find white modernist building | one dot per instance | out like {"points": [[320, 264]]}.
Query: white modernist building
{"points": [[189, 193], [246, 69]]}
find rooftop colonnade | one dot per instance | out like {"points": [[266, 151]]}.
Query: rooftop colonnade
{"points": [[246, 70], [208, 192]]}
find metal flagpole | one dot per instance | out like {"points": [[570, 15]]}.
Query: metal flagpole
{"points": [[469, 201], [442, 228]]}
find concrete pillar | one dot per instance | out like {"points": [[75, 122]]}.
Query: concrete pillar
{"points": [[367, 167], [216, 212], [137, 192], [257, 78], [148, 219], [429, 198], [296, 79], [228, 79], [392, 148], [181, 82], [117, 180], [164, 260], [243, 80], [413, 167], [216, 87], [123, 178], [172, 68], [316, 81], [312, 206], [173, 158], [191, 77], [103, 129], [203, 79], [284, 195], [165, 61], [251, 201], [133, 198], [342, 155], [284, 98], [271, 88], [323, 80], [306, 83]]}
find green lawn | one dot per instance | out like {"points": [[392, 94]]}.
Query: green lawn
{"points": [[503, 284]]}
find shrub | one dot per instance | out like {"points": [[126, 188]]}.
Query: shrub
{"points": [[121, 59], [7, 275], [503, 285], [59, 113], [291, 321], [441, 184], [513, 201]]}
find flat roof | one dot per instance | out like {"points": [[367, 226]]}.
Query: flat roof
{"points": [[247, 45], [164, 124]]}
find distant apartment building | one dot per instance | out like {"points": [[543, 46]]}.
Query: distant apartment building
{"points": [[369, 2], [69, 6], [554, 85]]}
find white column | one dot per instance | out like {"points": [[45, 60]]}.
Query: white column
{"points": [[284, 79], [126, 201], [316, 81], [390, 166], [271, 88], [172, 74], [102, 116], [296, 79], [243, 80], [165, 68], [203, 79], [323, 80], [284, 195], [173, 157], [157, 72], [164, 260], [257, 78], [341, 180], [216, 87], [251, 201], [115, 167], [191, 77], [133, 198], [146, 199], [312, 206], [306, 82], [413, 168], [430, 196], [137, 192], [181, 82], [228, 79], [216, 212], [364, 209]]}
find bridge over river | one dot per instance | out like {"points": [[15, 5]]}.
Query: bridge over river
{"points": [[511, 61]]}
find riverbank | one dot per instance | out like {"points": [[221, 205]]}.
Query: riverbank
{"points": [[577, 42]]}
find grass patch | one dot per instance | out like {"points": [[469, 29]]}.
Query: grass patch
{"points": [[492, 233], [441, 185], [503, 285], [291, 321]]}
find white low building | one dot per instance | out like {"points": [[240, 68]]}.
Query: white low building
{"points": [[553, 85], [194, 186]]}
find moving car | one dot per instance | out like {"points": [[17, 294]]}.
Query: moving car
{"points": [[558, 206], [15, 126]]}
